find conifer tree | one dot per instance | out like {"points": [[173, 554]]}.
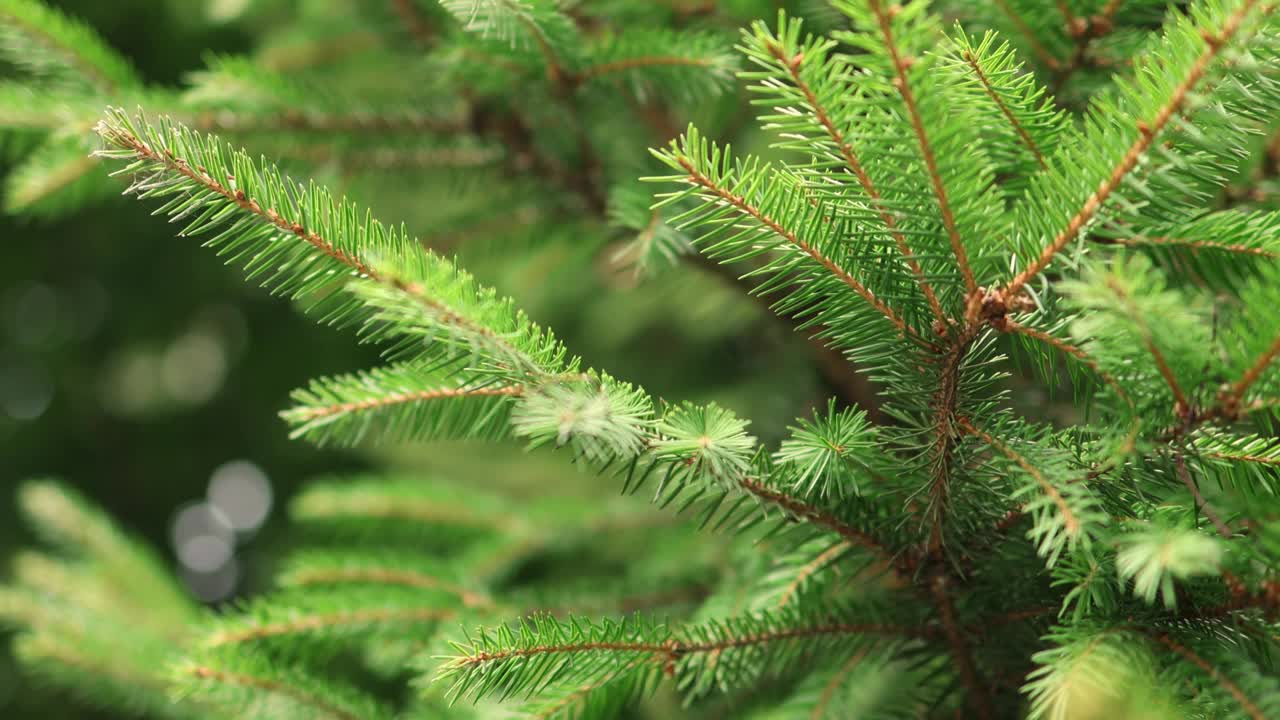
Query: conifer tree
{"points": [[1074, 192]]}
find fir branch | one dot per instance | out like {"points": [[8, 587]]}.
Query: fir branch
{"points": [[1072, 350], [901, 66], [1204, 665], [374, 574], [1253, 374], [972, 61], [72, 43], [275, 687], [977, 696], [1072, 524], [829, 689], [819, 563], [740, 203], [1033, 40], [1181, 405], [325, 621], [409, 15], [792, 64], [1187, 243], [314, 413], [1148, 131], [824, 519], [592, 72]]}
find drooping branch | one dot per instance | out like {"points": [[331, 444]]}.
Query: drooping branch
{"points": [[1148, 131], [855, 165], [901, 65]]}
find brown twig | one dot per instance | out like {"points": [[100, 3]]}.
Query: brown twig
{"points": [[1186, 243], [1180, 466], [1147, 133], [1032, 39], [1182, 406]]}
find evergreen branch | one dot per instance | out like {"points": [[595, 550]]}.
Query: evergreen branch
{"points": [[274, 687], [592, 72], [1258, 459], [325, 621], [1180, 468], [314, 413], [323, 572], [1068, 516], [972, 61], [901, 66], [122, 137], [1187, 243], [1181, 405], [824, 519], [1148, 131], [72, 43], [319, 122], [1253, 374], [829, 689], [1227, 684], [792, 64], [1073, 351], [1033, 40], [809, 569], [740, 203], [413, 21], [978, 698]]}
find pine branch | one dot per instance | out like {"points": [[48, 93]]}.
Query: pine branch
{"points": [[1181, 406], [901, 65], [1033, 40], [1187, 243], [1069, 518], [977, 697], [325, 622], [1073, 351], [819, 563], [698, 179], [1192, 657], [40, 37], [1148, 131], [972, 61], [792, 64]]}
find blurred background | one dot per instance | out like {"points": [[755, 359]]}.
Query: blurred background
{"points": [[138, 369]]}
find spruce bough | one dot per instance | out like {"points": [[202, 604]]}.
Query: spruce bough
{"points": [[934, 216]]}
